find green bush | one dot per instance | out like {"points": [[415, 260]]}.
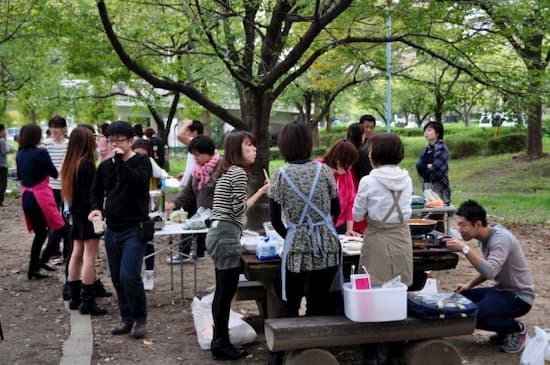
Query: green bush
{"points": [[319, 151], [328, 139], [274, 154], [507, 143], [546, 127], [464, 146]]}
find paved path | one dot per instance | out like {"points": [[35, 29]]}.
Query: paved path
{"points": [[78, 348]]}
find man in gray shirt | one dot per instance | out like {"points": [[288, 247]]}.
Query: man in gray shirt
{"points": [[5, 148], [503, 261]]}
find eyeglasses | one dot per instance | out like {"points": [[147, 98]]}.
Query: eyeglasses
{"points": [[117, 140]]}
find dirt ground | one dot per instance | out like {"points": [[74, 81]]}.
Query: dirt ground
{"points": [[35, 323]]}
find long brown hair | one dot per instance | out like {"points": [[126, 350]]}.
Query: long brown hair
{"points": [[233, 151], [81, 147]]}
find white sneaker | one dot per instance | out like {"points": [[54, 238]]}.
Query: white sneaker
{"points": [[148, 282], [179, 259]]}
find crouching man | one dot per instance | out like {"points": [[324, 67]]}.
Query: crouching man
{"points": [[504, 262]]}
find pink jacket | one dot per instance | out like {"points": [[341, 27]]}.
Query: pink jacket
{"points": [[346, 195], [45, 199]]}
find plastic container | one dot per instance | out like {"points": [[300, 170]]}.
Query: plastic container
{"points": [[266, 249], [376, 304]]}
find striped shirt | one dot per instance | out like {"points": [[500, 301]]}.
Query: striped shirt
{"points": [[230, 196], [57, 153]]}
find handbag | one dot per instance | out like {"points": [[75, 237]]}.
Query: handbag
{"points": [[146, 230]]}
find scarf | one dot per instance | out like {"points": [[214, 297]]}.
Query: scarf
{"points": [[204, 173]]}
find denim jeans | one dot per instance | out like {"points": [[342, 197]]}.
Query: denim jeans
{"points": [[125, 252], [497, 309]]}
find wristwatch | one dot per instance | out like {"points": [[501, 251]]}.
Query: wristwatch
{"points": [[466, 250]]}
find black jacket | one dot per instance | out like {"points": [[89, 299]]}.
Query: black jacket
{"points": [[125, 187]]}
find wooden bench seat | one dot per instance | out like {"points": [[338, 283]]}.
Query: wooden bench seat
{"points": [[288, 334], [253, 290]]}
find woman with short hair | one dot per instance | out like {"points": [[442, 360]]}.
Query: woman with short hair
{"points": [[34, 169]]}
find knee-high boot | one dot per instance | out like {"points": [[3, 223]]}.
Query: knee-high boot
{"points": [[74, 289], [88, 305], [222, 349]]}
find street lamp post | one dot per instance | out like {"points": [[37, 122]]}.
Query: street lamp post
{"points": [[389, 4]]}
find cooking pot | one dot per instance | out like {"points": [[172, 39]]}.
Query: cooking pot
{"points": [[421, 226]]}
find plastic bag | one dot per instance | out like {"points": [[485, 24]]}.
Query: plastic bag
{"points": [[198, 221], [430, 287], [240, 332], [537, 348]]}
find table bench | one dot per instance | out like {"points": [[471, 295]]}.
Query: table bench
{"points": [[267, 272], [306, 338], [253, 290]]}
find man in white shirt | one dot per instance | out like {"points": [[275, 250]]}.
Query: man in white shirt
{"points": [[56, 146]]}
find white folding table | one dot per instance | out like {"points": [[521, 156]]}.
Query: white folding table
{"points": [[170, 229]]}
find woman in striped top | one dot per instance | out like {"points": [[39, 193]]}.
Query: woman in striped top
{"points": [[223, 238]]}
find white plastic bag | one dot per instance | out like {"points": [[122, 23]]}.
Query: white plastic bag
{"points": [[198, 221], [536, 347], [240, 332], [430, 287]]}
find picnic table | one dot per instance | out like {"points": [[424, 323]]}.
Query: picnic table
{"points": [[268, 272]]}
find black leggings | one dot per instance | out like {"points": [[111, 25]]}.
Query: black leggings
{"points": [[315, 286], [38, 224], [226, 287]]}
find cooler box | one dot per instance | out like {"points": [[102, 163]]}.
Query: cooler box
{"points": [[376, 304]]}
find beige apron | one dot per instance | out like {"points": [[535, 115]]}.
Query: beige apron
{"points": [[387, 248]]}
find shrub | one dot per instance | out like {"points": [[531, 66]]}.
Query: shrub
{"points": [[546, 126], [513, 142], [464, 146]]}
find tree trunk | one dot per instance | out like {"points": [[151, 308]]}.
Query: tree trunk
{"points": [[256, 116], [207, 122], [534, 129], [32, 116], [534, 115]]}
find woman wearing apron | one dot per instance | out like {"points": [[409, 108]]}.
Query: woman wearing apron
{"points": [[384, 196], [305, 191]]}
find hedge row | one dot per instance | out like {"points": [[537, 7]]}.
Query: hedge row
{"points": [[462, 142]]}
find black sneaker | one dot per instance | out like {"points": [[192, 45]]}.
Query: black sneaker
{"points": [[123, 329], [138, 330]]}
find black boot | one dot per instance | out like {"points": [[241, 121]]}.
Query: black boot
{"points": [[222, 349], [88, 305], [66, 291], [100, 291], [74, 289]]}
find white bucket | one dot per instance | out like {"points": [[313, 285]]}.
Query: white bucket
{"points": [[375, 304]]}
